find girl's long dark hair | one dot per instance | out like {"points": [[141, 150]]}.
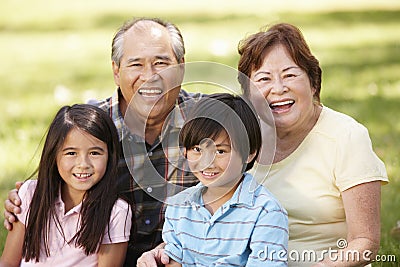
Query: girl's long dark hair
{"points": [[98, 200]]}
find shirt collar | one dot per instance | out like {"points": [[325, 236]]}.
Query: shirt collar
{"points": [[116, 115], [60, 205]]}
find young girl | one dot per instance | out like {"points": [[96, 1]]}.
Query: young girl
{"points": [[71, 215], [227, 219]]}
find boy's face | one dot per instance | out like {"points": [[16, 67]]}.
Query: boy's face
{"points": [[215, 162]]}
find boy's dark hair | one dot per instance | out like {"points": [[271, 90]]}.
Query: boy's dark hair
{"points": [[217, 112], [98, 200]]}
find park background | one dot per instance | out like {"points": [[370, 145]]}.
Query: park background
{"points": [[54, 53]]}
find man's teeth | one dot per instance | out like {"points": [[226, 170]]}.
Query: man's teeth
{"points": [[278, 104], [82, 175], [150, 91]]}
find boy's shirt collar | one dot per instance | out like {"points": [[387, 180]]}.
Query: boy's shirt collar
{"points": [[244, 194]]}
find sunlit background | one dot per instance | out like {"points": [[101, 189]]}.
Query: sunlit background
{"points": [[54, 53]]}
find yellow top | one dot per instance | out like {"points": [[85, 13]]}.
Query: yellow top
{"points": [[336, 155]]}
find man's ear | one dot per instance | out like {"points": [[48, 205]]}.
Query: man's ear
{"points": [[115, 69], [182, 70]]}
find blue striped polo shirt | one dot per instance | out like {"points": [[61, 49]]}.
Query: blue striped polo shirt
{"points": [[250, 229]]}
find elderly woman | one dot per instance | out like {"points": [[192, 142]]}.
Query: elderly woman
{"points": [[324, 171]]}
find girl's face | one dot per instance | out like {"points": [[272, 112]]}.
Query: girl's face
{"points": [[286, 87], [81, 162], [216, 163]]}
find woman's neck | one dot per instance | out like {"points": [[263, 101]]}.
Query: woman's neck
{"points": [[288, 140]]}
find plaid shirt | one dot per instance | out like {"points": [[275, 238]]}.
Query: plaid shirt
{"points": [[150, 173]]}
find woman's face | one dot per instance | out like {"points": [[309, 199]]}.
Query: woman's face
{"points": [[286, 88]]}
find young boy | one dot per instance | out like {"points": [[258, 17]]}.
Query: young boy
{"points": [[227, 219]]}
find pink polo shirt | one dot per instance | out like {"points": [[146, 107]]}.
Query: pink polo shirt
{"points": [[63, 254]]}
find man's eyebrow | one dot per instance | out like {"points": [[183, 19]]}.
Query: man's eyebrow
{"points": [[133, 59], [163, 57]]}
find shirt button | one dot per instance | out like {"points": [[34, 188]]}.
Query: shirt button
{"points": [[150, 153], [147, 221], [149, 189]]}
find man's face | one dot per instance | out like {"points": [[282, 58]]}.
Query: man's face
{"points": [[149, 75]]}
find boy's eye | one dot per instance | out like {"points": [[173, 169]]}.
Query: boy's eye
{"points": [[220, 151], [196, 149]]}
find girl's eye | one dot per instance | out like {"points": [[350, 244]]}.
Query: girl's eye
{"points": [[95, 153]]}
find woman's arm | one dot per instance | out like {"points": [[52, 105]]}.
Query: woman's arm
{"points": [[112, 255], [362, 208], [12, 253]]}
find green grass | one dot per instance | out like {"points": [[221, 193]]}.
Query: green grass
{"points": [[60, 54]]}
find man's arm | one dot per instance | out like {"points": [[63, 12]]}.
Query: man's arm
{"points": [[12, 206]]}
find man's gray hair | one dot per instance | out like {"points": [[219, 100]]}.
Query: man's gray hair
{"points": [[178, 46]]}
